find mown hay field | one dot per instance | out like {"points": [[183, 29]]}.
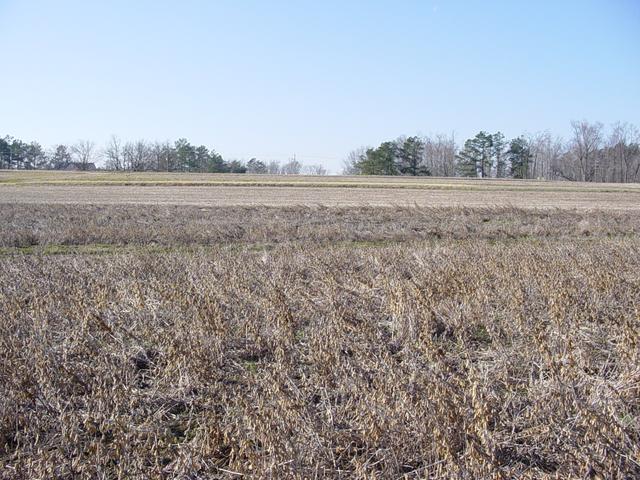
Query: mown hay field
{"points": [[313, 341], [49, 177], [232, 190]]}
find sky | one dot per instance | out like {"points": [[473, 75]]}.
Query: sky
{"points": [[314, 79]]}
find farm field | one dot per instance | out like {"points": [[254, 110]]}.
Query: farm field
{"points": [[232, 190], [54, 177], [413, 329]]}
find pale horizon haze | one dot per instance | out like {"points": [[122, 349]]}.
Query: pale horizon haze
{"points": [[314, 79]]}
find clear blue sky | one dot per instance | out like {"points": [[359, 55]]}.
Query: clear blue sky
{"points": [[317, 78]]}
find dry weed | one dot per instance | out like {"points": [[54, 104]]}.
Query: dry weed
{"points": [[479, 358]]}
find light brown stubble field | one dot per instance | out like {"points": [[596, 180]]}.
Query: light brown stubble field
{"points": [[152, 326], [231, 190]]}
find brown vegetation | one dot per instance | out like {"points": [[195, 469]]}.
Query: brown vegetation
{"points": [[75, 178], [25, 226], [214, 190], [319, 343]]}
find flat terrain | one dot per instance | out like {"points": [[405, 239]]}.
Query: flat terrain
{"points": [[285, 339], [233, 190], [63, 228]]}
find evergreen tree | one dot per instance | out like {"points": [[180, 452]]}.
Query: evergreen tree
{"points": [[519, 155], [216, 163], [256, 166], [18, 153], [499, 159], [185, 155], [411, 157], [379, 161], [236, 166], [35, 156], [202, 158], [475, 159], [61, 157], [5, 152]]}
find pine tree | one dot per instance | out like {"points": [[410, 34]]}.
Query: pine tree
{"points": [[61, 157], [519, 155], [379, 161], [475, 159], [411, 157], [498, 144], [5, 152]]}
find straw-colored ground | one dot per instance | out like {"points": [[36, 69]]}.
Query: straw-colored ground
{"points": [[230, 190], [296, 341]]}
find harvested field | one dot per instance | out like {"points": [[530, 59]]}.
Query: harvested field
{"points": [[327, 196], [29, 227], [47, 177], [247, 190], [177, 341], [472, 359]]}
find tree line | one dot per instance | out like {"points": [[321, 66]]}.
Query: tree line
{"points": [[141, 155], [592, 154]]}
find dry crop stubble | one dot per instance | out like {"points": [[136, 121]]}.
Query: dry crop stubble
{"points": [[287, 196], [227, 190], [477, 357], [30, 227]]}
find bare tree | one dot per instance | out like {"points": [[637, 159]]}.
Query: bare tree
{"points": [[113, 154], [273, 167], [137, 156], [83, 153], [161, 157], [546, 151], [142, 156], [350, 164], [292, 167], [583, 150], [440, 155], [623, 153], [314, 169]]}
